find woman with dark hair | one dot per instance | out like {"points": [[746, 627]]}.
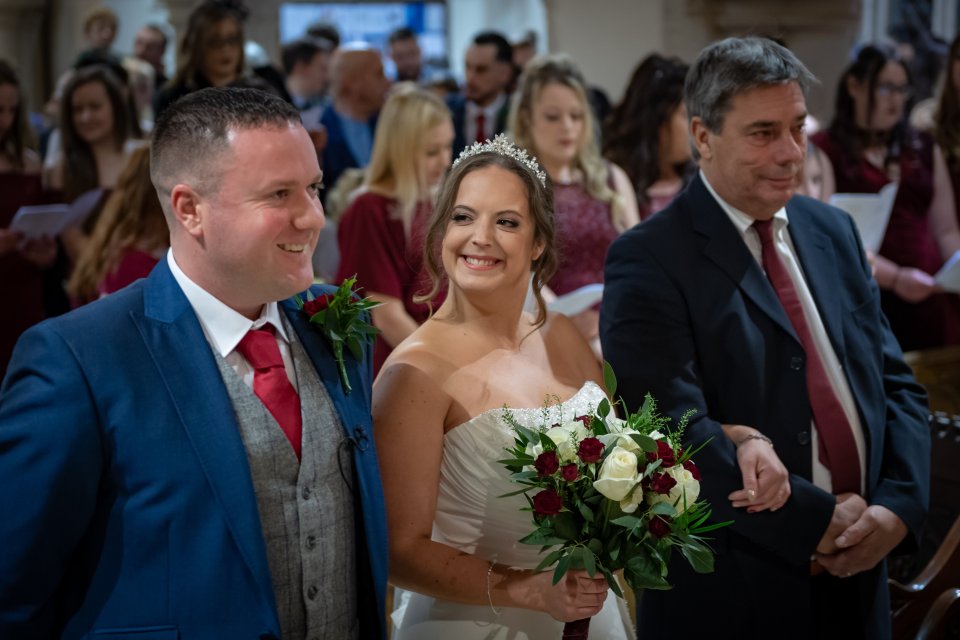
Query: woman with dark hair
{"points": [[211, 52], [21, 261], [647, 133], [96, 127], [947, 120], [870, 144]]}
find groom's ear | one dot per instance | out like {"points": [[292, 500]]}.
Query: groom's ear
{"points": [[187, 207]]}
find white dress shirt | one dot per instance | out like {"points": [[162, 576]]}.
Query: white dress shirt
{"points": [[470, 113], [788, 255], [224, 327]]}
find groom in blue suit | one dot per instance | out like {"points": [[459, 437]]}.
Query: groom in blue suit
{"points": [[150, 487], [758, 309]]}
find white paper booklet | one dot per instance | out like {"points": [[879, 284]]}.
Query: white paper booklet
{"points": [[870, 212], [949, 275], [50, 219], [570, 304]]}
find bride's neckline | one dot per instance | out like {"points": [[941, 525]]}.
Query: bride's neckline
{"points": [[588, 385]]}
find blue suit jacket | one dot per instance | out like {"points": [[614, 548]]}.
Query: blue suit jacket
{"points": [[127, 501], [689, 316]]}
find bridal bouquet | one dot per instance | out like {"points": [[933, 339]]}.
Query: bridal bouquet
{"points": [[612, 494]]}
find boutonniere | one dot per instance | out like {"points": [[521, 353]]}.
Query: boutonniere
{"points": [[342, 319]]}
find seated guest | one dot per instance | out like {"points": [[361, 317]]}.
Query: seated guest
{"points": [[870, 144], [480, 112], [381, 232], [404, 50], [149, 45], [95, 130], [100, 26], [594, 200], [128, 239], [211, 52], [306, 64], [647, 135], [358, 89], [21, 261]]}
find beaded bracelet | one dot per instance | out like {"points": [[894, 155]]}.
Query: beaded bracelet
{"points": [[755, 436], [496, 611]]}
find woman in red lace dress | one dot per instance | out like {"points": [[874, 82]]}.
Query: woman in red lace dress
{"points": [[870, 144], [593, 199]]}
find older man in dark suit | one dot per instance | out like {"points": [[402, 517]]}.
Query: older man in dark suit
{"points": [[758, 309]]}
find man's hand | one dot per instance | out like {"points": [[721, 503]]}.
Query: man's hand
{"points": [[865, 543], [850, 507]]}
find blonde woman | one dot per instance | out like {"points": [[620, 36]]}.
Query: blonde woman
{"points": [[594, 199], [381, 232]]}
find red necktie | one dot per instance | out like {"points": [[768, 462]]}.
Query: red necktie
{"points": [[271, 384], [481, 127], [837, 447]]}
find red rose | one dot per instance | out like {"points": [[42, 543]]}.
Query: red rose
{"points": [[662, 482], [692, 468], [316, 305], [586, 420], [547, 503], [547, 463], [569, 472], [665, 453], [659, 526], [591, 450]]}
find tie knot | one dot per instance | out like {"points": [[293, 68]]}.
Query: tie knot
{"points": [[260, 348], [764, 230]]}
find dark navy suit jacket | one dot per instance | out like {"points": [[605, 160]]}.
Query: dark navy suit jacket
{"points": [[458, 110], [127, 503], [689, 316]]}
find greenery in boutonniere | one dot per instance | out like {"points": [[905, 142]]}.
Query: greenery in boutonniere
{"points": [[343, 319]]}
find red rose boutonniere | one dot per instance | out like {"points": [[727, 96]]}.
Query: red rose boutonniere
{"points": [[342, 317]]}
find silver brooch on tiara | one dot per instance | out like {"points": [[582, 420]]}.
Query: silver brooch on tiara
{"points": [[501, 145]]}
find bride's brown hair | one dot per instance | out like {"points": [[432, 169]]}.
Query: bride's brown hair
{"points": [[539, 201]]}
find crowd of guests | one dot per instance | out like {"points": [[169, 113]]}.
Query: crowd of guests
{"points": [[384, 144]]}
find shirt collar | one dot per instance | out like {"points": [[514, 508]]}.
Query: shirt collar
{"points": [[472, 108], [223, 326], [741, 220]]}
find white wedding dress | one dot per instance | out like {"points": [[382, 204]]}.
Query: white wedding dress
{"points": [[471, 517]]}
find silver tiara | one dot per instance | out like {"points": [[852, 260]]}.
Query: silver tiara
{"points": [[501, 145]]}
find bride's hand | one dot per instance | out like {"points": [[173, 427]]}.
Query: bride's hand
{"points": [[766, 482], [576, 596]]}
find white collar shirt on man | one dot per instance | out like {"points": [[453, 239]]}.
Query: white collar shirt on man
{"points": [[788, 255], [471, 110], [224, 327]]}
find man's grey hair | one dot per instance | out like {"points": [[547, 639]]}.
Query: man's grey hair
{"points": [[192, 132], [729, 67]]}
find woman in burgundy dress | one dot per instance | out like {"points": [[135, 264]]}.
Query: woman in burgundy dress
{"points": [[593, 199], [381, 231], [870, 144], [21, 261], [947, 120]]}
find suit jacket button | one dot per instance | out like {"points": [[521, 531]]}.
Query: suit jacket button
{"points": [[312, 591], [803, 437], [796, 363], [305, 493], [311, 542]]}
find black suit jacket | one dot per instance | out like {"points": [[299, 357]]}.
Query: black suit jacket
{"points": [[689, 316], [458, 111]]}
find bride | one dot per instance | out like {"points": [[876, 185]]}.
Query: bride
{"points": [[438, 405]]}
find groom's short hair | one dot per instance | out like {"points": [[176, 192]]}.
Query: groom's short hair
{"points": [[194, 131]]}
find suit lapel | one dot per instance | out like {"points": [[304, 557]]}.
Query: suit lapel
{"points": [[819, 264], [186, 363], [725, 248]]}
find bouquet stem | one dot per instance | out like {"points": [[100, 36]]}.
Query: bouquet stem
{"points": [[576, 630]]}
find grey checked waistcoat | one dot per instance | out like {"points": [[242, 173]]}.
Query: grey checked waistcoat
{"points": [[306, 509]]}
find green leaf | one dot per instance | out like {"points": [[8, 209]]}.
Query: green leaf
{"points": [[609, 380], [589, 561], [663, 509], [585, 512], [565, 525], [627, 522], [603, 409], [549, 560], [699, 556], [611, 581], [561, 569], [644, 442]]}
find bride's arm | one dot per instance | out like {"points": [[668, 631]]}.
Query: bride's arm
{"points": [[409, 408]]}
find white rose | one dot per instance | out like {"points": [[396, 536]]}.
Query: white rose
{"points": [[687, 489], [618, 474], [632, 501], [628, 443], [534, 449], [566, 436]]}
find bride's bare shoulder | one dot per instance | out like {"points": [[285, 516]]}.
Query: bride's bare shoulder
{"points": [[566, 347]]}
